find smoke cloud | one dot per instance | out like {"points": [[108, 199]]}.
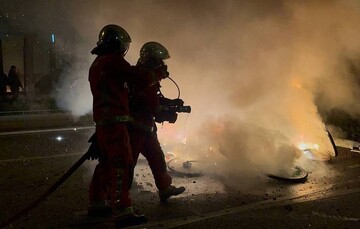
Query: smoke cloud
{"points": [[254, 72], [251, 72]]}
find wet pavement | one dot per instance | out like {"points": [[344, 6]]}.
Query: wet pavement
{"points": [[30, 162]]}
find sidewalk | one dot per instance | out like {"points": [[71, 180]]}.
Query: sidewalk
{"points": [[41, 119]]}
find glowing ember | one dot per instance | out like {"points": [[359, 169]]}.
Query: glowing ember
{"points": [[169, 156], [296, 83], [306, 146]]}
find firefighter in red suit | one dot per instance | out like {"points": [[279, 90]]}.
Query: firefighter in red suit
{"points": [[109, 76], [144, 107]]}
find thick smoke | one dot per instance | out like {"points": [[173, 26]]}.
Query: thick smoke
{"points": [[251, 70]]}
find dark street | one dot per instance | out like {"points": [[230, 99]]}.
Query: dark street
{"points": [[32, 161]]}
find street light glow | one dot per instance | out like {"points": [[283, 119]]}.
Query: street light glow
{"points": [[52, 38]]}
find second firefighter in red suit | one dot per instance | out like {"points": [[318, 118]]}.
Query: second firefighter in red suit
{"points": [[144, 106], [109, 77]]}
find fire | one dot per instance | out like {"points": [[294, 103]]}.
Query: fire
{"points": [[296, 83], [305, 146]]}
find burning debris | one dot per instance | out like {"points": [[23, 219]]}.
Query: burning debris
{"points": [[255, 152]]}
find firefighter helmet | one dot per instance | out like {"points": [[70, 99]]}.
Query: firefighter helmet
{"points": [[113, 38], [154, 50]]}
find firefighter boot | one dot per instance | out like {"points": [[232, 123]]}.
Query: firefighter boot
{"points": [[126, 217], [99, 209], [169, 192]]}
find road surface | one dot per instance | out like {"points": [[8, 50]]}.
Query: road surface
{"points": [[31, 161]]}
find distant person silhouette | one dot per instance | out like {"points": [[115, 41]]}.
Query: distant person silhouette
{"points": [[14, 82], [3, 84]]}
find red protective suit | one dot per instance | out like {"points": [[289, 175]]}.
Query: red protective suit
{"points": [[109, 76], [143, 137]]}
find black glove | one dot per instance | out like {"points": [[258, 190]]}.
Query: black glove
{"points": [[93, 152], [170, 102], [178, 102], [163, 116]]}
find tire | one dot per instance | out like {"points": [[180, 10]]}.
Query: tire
{"points": [[183, 168], [299, 175]]}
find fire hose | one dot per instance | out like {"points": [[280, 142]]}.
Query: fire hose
{"points": [[59, 182]]}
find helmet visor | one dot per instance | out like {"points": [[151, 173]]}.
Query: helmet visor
{"points": [[125, 47]]}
